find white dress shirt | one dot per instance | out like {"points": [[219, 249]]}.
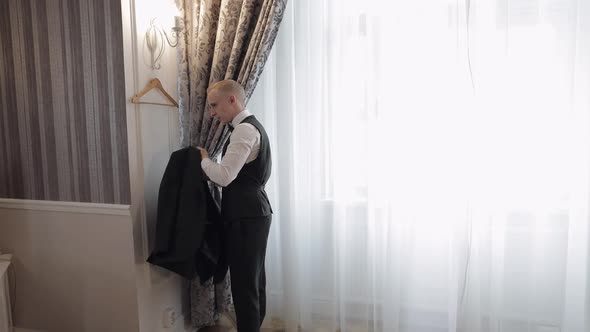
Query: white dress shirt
{"points": [[244, 144]]}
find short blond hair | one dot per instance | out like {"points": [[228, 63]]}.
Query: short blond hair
{"points": [[228, 87]]}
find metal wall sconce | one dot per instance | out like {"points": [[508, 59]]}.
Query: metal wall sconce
{"points": [[154, 40]]}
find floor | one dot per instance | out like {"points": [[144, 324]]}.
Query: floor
{"points": [[227, 324], [231, 329], [205, 329]]}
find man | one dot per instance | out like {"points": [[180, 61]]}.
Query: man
{"points": [[243, 171]]}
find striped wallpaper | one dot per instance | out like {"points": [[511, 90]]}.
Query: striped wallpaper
{"points": [[62, 101]]}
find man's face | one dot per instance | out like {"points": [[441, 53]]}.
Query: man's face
{"points": [[221, 106]]}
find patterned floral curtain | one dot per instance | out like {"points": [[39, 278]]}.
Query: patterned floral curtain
{"points": [[224, 39]]}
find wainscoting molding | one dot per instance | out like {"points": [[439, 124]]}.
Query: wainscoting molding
{"points": [[74, 265], [68, 207]]}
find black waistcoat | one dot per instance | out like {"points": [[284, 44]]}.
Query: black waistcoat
{"points": [[245, 196]]}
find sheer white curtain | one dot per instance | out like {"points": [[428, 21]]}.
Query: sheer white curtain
{"points": [[430, 165]]}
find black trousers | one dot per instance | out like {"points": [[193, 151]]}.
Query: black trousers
{"points": [[247, 240]]}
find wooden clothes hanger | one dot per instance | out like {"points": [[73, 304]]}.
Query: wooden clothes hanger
{"points": [[154, 83]]}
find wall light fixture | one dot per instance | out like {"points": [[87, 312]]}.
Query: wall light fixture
{"points": [[154, 40]]}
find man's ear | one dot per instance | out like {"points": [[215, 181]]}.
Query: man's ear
{"points": [[232, 99]]}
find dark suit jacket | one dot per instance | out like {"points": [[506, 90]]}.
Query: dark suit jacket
{"points": [[189, 234]]}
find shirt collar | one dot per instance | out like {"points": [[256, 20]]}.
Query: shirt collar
{"points": [[240, 117]]}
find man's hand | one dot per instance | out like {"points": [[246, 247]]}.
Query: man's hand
{"points": [[204, 153]]}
